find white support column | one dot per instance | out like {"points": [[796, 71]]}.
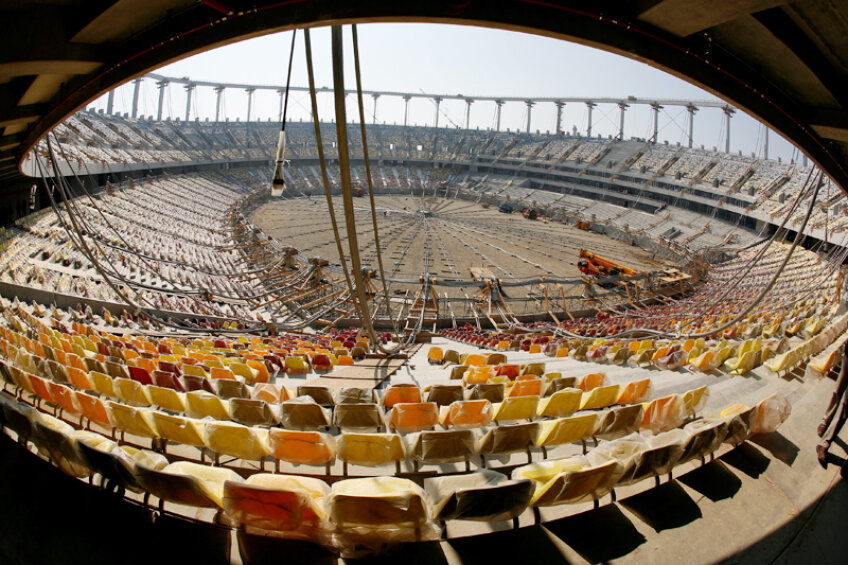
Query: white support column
{"points": [[250, 92], [590, 105], [656, 108], [162, 84], [728, 112], [110, 101], [375, 97], [530, 105], [500, 104], [468, 103], [219, 91], [622, 107], [136, 86], [189, 88], [691, 109], [765, 142], [281, 92], [406, 98], [559, 107], [438, 101]]}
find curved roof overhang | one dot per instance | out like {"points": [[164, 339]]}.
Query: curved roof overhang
{"points": [[784, 62]]}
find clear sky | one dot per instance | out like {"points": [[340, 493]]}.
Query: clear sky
{"points": [[454, 60]]}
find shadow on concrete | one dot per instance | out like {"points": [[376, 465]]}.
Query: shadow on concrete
{"points": [[747, 459], [665, 507], [778, 445], [714, 480], [598, 535], [261, 550], [524, 545], [816, 535], [429, 553], [48, 517]]}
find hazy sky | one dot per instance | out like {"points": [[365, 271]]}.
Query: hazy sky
{"points": [[454, 60]]}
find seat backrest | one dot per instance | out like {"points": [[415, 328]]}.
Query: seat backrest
{"points": [[370, 449], [228, 389], [414, 416], [358, 417], [141, 375], [252, 412], [301, 447], [400, 393]]}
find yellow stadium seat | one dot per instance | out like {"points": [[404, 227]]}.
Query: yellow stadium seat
{"points": [[136, 421], [563, 402], [567, 430], [516, 408], [186, 483], [180, 430], [131, 392], [568, 481], [600, 397], [167, 398], [369, 449], [695, 400], [201, 404], [229, 438]]}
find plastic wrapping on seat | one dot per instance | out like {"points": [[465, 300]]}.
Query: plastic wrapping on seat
{"points": [[739, 419], [201, 404], [599, 397], [358, 417], [400, 393], [509, 438], [57, 439], [444, 395], [413, 416], [301, 448], [94, 409], [227, 389], [567, 430], [167, 398], [619, 421], [526, 387], [569, 481], [696, 399], [592, 381], [187, 483], [466, 414], [623, 451], [564, 402], [281, 506], [136, 421], [376, 511], [180, 430], [705, 436], [484, 495], [303, 413], [516, 408], [772, 411], [664, 413], [659, 456], [236, 440], [635, 392], [322, 395], [493, 392], [370, 450], [252, 412], [354, 395], [443, 446], [117, 463]]}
